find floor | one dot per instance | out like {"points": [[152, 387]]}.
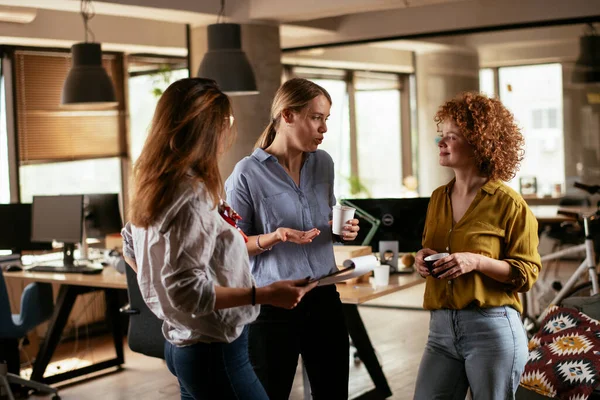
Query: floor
{"points": [[398, 336]]}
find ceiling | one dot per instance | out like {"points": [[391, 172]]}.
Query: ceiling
{"points": [[317, 22]]}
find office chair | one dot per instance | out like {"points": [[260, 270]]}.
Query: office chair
{"points": [[36, 307], [145, 329]]}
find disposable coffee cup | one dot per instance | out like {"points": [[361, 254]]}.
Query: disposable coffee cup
{"points": [[429, 260], [341, 216], [382, 275]]}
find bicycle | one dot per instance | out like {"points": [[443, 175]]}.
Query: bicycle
{"points": [[570, 288]]}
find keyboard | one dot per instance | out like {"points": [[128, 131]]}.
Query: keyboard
{"points": [[78, 269]]}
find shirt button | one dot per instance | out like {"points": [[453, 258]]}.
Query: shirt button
{"points": [[535, 269], [449, 282], [450, 230], [447, 248]]}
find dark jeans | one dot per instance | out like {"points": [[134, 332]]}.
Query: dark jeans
{"points": [[215, 370], [315, 329]]}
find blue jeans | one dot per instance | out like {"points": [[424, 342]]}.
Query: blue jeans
{"points": [[481, 348], [215, 370]]}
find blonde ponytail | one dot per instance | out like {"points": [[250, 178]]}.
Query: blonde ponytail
{"points": [[267, 137]]}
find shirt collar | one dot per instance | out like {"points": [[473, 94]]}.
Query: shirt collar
{"points": [[489, 187], [261, 155]]}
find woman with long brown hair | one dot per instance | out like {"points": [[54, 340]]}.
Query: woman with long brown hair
{"points": [[192, 265], [288, 183]]}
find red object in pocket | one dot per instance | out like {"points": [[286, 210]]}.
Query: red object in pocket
{"points": [[225, 212]]}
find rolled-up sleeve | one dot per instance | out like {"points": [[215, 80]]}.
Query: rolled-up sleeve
{"points": [[185, 272], [521, 251], [128, 242]]}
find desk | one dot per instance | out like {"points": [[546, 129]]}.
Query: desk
{"points": [[352, 296], [110, 281], [71, 286]]}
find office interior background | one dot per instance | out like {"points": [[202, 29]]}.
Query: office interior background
{"points": [[388, 65]]}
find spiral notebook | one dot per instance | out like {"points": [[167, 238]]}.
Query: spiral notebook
{"points": [[353, 268]]}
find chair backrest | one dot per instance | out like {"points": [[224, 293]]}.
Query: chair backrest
{"points": [[145, 329], [37, 305]]}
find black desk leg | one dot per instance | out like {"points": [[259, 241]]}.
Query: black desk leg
{"points": [[64, 304], [113, 319], [366, 352]]}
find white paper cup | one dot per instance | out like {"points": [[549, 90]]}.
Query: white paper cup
{"points": [[341, 216], [382, 275]]}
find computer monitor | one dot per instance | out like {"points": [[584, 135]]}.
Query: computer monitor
{"points": [[402, 220], [102, 215], [15, 229], [58, 218]]}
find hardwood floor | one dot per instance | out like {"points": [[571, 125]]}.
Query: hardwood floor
{"points": [[398, 336]]}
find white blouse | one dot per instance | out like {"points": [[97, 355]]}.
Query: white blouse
{"points": [[188, 250]]}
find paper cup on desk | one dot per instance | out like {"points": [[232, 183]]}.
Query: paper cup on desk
{"points": [[382, 275], [341, 216]]}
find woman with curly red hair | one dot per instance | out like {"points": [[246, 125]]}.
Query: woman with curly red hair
{"points": [[476, 338]]}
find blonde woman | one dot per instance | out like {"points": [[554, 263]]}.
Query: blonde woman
{"points": [[284, 194]]}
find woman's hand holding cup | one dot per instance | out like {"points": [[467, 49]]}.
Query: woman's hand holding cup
{"points": [[420, 262]]}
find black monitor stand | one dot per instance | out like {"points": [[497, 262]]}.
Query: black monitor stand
{"points": [[68, 254]]}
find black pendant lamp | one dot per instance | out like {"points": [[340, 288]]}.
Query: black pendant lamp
{"points": [[587, 66], [225, 62], [88, 85]]}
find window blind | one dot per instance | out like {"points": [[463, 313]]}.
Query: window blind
{"points": [[49, 132]]}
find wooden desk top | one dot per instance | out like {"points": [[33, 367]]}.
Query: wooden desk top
{"points": [[109, 278], [362, 292]]}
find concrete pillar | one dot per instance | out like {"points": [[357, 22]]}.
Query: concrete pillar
{"points": [[440, 76], [262, 47]]}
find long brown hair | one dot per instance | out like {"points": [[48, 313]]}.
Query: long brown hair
{"points": [[187, 135], [293, 95]]}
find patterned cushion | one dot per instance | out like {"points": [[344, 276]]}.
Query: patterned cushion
{"points": [[564, 356]]}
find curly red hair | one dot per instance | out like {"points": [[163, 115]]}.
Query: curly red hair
{"points": [[491, 129]]}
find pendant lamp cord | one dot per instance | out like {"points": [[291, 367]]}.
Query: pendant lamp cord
{"points": [[221, 15], [87, 13]]}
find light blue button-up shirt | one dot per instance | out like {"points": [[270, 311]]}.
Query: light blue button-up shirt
{"points": [[267, 198]]}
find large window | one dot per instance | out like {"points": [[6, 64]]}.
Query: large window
{"points": [[147, 82], [534, 94], [486, 82], [62, 150], [378, 134], [76, 177]]}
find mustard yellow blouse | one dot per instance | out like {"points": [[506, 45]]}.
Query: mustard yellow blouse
{"points": [[498, 224]]}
